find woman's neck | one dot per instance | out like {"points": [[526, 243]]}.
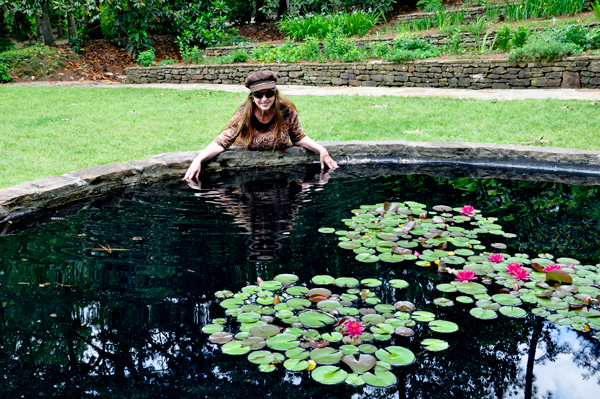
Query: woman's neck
{"points": [[264, 116]]}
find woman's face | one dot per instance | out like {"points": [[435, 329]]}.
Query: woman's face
{"points": [[264, 103]]}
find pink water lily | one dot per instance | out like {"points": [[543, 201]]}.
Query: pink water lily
{"points": [[405, 231], [516, 287], [353, 328], [357, 213], [552, 267], [417, 254], [496, 258], [467, 210], [450, 270], [466, 275], [521, 274], [512, 267]]}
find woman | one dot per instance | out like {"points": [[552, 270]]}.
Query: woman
{"points": [[266, 120]]}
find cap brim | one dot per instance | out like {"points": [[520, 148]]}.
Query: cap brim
{"points": [[262, 86]]}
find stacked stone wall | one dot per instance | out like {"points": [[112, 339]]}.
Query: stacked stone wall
{"points": [[572, 72]]}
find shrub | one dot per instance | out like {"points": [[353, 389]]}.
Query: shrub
{"points": [[430, 5], [520, 36], [5, 77], [355, 54], [503, 37], [593, 38], [36, 60], [399, 55], [237, 55], [5, 44], [192, 55], [264, 53], [420, 47], [336, 46], [146, 58], [540, 48], [310, 50], [379, 50], [569, 34], [319, 25]]}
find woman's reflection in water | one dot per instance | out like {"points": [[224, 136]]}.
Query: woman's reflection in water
{"points": [[266, 209]]}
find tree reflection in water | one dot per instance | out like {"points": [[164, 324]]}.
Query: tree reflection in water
{"points": [[80, 323]]}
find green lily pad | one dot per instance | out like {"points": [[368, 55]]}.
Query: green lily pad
{"points": [[483, 314], [298, 303], [371, 282], [231, 303], [511, 311], [326, 230], [297, 353], [295, 364], [397, 283], [446, 288], [315, 319], [346, 282], [282, 342], [423, 316], [220, 337], [355, 380], [464, 299], [349, 245], [568, 261], [348, 349], [552, 303], [235, 348], [329, 375], [326, 355], [391, 257], [264, 331], [212, 328], [443, 326], [270, 285], [332, 337], [443, 302], [487, 304], [363, 364], [266, 368], [471, 288], [367, 258], [373, 318], [380, 379], [384, 308], [261, 357], [329, 305], [322, 280], [507, 299], [367, 348], [434, 345], [286, 278], [396, 355]]}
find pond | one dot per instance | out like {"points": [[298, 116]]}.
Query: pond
{"points": [[107, 296]]}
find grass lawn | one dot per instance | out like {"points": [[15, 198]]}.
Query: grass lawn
{"points": [[51, 131]]}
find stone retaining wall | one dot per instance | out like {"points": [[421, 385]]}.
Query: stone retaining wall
{"points": [[572, 72], [18, 200]]}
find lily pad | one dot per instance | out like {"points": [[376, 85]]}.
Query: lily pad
{"points": [[282, 342], [390, 257], [396, 355], [220, 337], [355, 380], [370, 282], [367, 258], [235, 348], [286, 278], [464, 299], [212, 328], [362, 365], [261, 357], [443, 302], [270, 285], [329, 375], [446, 288], [397, 283], [295, 365], [326, 230], [507, 299], [443, 326], [346, 282], [326, 355], [434, 345], [511, 311], [315, 319], [265, 331], [297, 353], [483, 314], [423, 316]]}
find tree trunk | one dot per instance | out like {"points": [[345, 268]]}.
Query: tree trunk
{"points": [[38, 29], [533, 343], [60, 32], [45, 27], [284, 7], [71, 25]]}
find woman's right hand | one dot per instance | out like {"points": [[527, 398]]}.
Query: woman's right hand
{"points": [[193, 171]]}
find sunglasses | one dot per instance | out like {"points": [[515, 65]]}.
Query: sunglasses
{"points": [[260, 94]]}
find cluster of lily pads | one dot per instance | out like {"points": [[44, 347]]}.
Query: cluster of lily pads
{"points": [[337, 337], [562, 290]]}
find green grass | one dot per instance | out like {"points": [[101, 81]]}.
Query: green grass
{"points": [[51, 131]]}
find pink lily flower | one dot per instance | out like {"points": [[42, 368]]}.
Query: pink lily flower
{"points": [[552, 267], [512, 267], [417, 254], [466, 275], [496, 258], [467, 210], [521, 274], [353, 328], [516, 287]]}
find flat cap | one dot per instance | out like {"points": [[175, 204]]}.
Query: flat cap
{"points": [[261, 80]]}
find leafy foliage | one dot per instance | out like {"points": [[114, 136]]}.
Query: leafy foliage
{"points": [[520, 36], [146, 58], [5, 77], [430, 5], [540, 48], [503, 37], [192, 55], [35, 60], [595, 7]]}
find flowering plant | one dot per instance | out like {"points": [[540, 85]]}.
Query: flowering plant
{"points": [[552, 267], [353, 328], [467, 210], [496, 258], [466, 275]]}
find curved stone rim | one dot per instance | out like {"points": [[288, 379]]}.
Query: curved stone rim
{"points": [[27, 197]]}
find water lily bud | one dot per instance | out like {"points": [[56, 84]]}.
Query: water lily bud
{"points": [[259, 280]]}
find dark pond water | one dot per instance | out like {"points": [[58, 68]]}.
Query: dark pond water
{"points": [[77, 321]]}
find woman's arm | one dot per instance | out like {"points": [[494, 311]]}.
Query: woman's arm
{"points": [[211, 151], [312, 145]]}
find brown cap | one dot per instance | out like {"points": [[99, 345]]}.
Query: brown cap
{"points": [[261, 80]]}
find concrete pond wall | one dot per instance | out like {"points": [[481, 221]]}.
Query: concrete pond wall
{"points": [[19, 200], [571, 72]]}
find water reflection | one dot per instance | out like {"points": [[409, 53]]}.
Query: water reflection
{"points": [[74, 323], [265, 208]]}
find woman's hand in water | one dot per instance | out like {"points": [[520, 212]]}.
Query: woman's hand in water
{"points": [[327, 160], [193, 171]]}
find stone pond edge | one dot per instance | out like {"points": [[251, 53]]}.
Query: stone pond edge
{"points": [[54, 190]]}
